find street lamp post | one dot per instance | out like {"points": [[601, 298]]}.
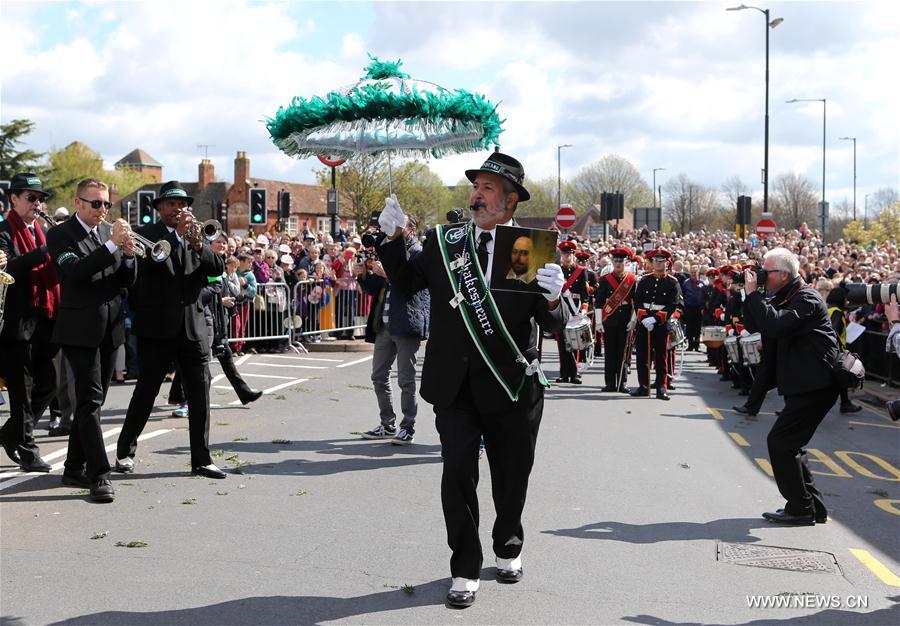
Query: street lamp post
{"points": [[866, 213], [655, 170], [769, 25], [559, 173], [824, 117], [853, 139]]}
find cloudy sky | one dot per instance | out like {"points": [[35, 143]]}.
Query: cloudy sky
{"points": [[678, 85]]}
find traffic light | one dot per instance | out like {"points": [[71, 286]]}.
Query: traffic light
{"points": [[146, 214], [285, 208], [257, 206], [222, 215], [742, 219]]}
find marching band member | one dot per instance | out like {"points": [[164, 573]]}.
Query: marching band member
{"points": [[576, 284], [659, 302], [95, 261], [31, 307], [615, 313], [169, 324]]}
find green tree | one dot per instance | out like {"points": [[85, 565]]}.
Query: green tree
{"points": [[794, 201], [543, 198], [611, 173], [12, 159], [421, 193], [362, 182]]}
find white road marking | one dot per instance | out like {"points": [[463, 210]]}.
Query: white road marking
{"points": [[267, 376], [216, 378], [305, 367], [57, 466], [356, 362], [296, 381], [300, 358]]}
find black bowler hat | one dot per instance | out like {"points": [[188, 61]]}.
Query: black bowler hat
{"points": [[27, 181], [172, 189], [507, 167]]}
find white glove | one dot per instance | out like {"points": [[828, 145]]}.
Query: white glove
{"points": [[391, 217], [598, 323], [722, 317], [649, 323], [550, 277], [731, 332], [744, 333], [631, 323]]}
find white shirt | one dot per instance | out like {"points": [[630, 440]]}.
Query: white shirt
{"points": [[490, 247], [177, 236], [109, 243]]}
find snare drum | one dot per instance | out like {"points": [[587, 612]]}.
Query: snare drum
{"points": [[578, 334], [676, 334], [751, 347], [713, 336], [733, 350]]}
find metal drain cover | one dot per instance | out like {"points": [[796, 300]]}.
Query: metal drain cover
{"points": [[774, 557]]}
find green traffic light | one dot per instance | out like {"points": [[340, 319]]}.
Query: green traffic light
{"points": [[145, 219], [257, 218]]}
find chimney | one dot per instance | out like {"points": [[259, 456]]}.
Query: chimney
{"points": [[241, 168], [206, 174]]}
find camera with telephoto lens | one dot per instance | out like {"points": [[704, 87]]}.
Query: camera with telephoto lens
{"points": [[455, 216], [761, 276], [859, 294], [370, 243]]}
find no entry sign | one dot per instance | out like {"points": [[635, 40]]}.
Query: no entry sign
{"points": [[565, 217], [765, 227]]}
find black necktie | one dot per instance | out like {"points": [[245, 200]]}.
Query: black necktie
{"points": [[482, 251], [95, 238], [31, 230]]}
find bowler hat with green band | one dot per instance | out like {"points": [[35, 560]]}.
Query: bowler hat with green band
{"points": [[507, 167], [172, 189], [27, 181]]}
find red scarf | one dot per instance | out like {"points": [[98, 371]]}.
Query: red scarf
{"points": [[44, 281]]}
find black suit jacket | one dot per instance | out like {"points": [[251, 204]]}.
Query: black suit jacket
{"points": [[166, 297], [19, 317], [451, 358], [91, 282]]}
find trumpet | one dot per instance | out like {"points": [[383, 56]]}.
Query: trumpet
{"points": [[5, 281], [159, 251], [209, 230]]}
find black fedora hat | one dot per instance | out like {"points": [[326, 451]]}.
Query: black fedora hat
{"points": [[507, 167], [172, 189], [27, 181]]}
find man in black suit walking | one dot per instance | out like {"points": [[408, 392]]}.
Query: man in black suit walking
{"points": [[31, 306], [170, 325], [481, 371], [95, 261]]}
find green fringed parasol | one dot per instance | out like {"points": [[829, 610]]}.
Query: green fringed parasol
{"points": [[386, 111]]}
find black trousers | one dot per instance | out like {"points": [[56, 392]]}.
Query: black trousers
{"points": [[568, 368], [31, 381], [155, 356], [692, 319], [510, 438], [758, 389], [652, 346], [799, 420], [226, 360], [92, 369], [615, 336]]}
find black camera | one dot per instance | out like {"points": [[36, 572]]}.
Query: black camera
{"points": [[370, 243], [373, 219], [454, 216], [859, 294], [761, 276]]}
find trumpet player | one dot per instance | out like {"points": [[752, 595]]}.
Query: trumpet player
{"points": [[169, 325], [28, 315], [95, 261]]}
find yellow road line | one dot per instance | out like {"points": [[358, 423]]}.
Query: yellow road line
{"points": [[876, 425], [765, 465], [715, 413], [886, 504], [739, 440], [877, 567]]}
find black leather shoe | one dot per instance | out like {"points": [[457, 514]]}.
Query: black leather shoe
{"points": [[624, 390], [253, 397], [209, 471], [821, 517], [37, 464], [575, 380], [743, 410], [102, 491], [640, 392], [670, 387], [850, 408], [509, 576], [661, 394], [59, 431], [562, 379], [11, 451], [608, 389], [461, 598], [76, 480], [780, 517]]}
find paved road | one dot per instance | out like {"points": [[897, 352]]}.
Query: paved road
{"points": [[633, 505]]}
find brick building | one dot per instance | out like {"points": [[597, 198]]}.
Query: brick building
{"points": [[142, 162]]}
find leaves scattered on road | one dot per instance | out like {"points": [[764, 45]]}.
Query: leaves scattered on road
{"points": [[189, 501], [131, 544], [239, 439], [684, 466], [281, 396], [282, 441], [100, 535], [299, 492]]}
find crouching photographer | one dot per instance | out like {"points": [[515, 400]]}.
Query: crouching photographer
{"points": [[397, 323], [796, 324]]}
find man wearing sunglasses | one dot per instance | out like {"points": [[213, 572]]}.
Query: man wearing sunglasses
{"points": [[95, 261], [31, 307]]}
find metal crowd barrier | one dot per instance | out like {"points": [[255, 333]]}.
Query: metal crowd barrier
{"points": [[880, 365], [263, 319]]}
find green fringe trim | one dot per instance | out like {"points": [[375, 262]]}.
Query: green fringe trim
{"points": [[386, 112]]}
